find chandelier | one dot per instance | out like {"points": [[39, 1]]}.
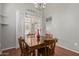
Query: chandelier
{"points": [[40, 5]]}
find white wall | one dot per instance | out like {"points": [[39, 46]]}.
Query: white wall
{"points": [[0, 35], [65, 24], [0, 23], [8, 31], [0, 28]]}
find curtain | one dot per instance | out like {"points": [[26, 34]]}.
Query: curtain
{"points": [[19, 26]]}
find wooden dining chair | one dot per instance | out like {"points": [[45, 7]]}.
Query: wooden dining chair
{"points": [[24, 47], [50, 51]]}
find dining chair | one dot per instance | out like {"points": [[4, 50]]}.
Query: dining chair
{"points": [[24, 47], [50, 51]]}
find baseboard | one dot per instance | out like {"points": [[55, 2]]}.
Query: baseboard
{"points": [[67, 48], [7, 48]]}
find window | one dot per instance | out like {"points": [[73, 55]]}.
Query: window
{"points": [[32, 23]]}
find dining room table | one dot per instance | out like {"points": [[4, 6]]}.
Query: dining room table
{"points": [[34, 45]]}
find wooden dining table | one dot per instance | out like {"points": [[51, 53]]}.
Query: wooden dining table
{"points": [[32, 42]]}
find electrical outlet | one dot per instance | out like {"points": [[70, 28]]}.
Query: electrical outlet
{"points": [[76, 44]]}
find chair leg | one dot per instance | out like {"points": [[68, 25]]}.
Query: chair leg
{"points": [[33, 52]]}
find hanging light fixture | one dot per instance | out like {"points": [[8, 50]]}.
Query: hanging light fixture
{"points": [[40, 5]]}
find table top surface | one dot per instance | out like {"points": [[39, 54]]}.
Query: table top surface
{"points": [[33, 41]]}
